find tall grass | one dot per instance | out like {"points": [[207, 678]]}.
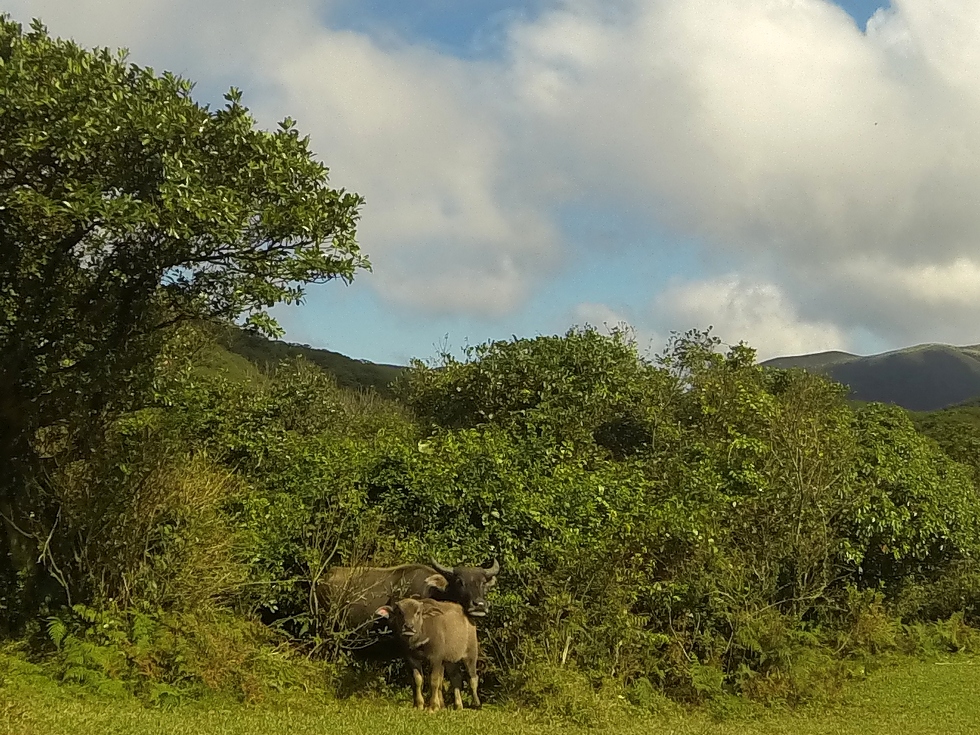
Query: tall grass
{"points": [[147, 526]]}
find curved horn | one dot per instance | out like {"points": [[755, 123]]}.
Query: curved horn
{"points": [[493, 570], [441, 569]]}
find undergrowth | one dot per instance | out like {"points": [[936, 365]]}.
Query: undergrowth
{"points": [[165, 658]]}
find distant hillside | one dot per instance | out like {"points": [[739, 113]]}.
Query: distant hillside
{"points": [[921, 378], [350, 373], [815, 362]]}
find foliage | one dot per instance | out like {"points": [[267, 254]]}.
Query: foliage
{"points": [[145, 524], [957, 431], [918, 512], [697, 514], [126, 208], [699, 523], [165, 658], [574, 389], [349, 373], [300, 445]]}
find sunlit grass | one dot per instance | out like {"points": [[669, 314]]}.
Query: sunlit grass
{"points": [[910, 698]]}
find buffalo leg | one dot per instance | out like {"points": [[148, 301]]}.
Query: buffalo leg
{"points": [[456, 681], [474, 678], [417, 684], [435, 683]]}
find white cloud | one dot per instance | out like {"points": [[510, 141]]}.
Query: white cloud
{"points": [[928, 301], [737, 308], [780, 136], [842, 165], [770, 126], [411, 131], [415, 132], [760, 314], [195, 38], [944, 285], [606, 319], [598, 315]]}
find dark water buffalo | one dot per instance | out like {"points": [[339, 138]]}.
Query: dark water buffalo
{"points": [[353, 594], [436, 635], [468, 586]]}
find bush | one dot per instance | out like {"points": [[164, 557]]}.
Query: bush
{"points": [[565, 694], [165, 658], [145, 524]]}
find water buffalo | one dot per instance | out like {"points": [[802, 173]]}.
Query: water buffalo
{"points": [[468, 586], [435, 634], [355, 593]]}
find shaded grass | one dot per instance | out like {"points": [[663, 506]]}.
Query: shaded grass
{"points": [[911, 697]]}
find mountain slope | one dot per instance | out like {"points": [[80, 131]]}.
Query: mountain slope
{"points": [[922, 378], [350, 373], [815, 362]]}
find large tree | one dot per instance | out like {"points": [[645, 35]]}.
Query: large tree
{"points": [[126, 208]]}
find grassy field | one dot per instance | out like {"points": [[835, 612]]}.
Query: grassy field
{"points": [[910, 698]]}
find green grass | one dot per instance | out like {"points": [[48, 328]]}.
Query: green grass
{"points": [[216, 360], [349, 373], [909, 698]]}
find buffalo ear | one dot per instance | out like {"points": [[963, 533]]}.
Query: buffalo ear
{"points": [[436, 581], [383, 612], [491, 582]]}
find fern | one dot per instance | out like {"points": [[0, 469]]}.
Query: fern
{"points": [[88, 614], [57, 630], [76, 653]]}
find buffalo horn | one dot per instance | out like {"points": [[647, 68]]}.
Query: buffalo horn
{"points": [[444, 571], [493, 570]]}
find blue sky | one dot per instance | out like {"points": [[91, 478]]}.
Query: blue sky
{"points": [[796, 173], [469, 28]]}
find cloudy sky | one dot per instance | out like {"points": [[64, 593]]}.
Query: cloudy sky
{"points": [[802, 174]]}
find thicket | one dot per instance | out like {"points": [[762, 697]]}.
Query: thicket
{"points": [[692, 523]]}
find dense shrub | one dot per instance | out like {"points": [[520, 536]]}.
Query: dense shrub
{"points": [[750, 505], [696, 522], [164, 658]]}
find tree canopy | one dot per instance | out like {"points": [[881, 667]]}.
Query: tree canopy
{"points": [[125, 208]]}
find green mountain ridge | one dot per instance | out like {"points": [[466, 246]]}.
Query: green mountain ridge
{"points": [[814, 361], [924, 377], [266, 354]]}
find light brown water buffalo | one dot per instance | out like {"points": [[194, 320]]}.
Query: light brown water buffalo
{"points": [[436, 635]]}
